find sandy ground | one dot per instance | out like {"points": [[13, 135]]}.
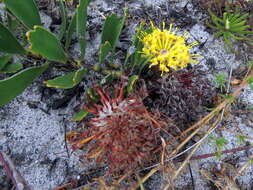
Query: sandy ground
{"points": [[32, 132]]}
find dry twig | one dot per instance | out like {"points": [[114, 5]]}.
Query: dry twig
{"points": [[198, 126], [13, 173]]}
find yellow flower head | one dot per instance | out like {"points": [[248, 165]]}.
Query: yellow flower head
{"points": [[166, 49]]}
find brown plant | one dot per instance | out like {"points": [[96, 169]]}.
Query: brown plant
{"points": [[181, 95], [218, 6], [122, 132]]}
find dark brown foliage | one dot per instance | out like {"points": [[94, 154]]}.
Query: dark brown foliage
{"points": [[218, 6], [122, 132], [181, 95]]}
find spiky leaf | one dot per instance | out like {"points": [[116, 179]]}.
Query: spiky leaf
{"points": [[26, 11], [16, 84], [46, 44], [8, 43]]}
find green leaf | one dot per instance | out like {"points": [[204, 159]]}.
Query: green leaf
{"points": [[79, 116], [241, 139], [70, 31], [12, 68], [107, 79], [103, 51], [25, 10], [218, 155], [16, 84], [8, 43], [112, 28], [208, 109], [231, 26], [130, 85], [81, 25], [114, 73], [250, 108], [220, 80], [213, 16], [92, 95], [251, 86], [240, 18], [228, 97], [137, 60], [211, 138], [220, 142], [64, 19], [67, 81], [4, 60], [250, 64], [250, 82], [12, 22], [251, 161], [79, 74], [236, 25], [46, 44]]}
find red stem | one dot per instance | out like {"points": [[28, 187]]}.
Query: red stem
{"points": [[204, 156]]}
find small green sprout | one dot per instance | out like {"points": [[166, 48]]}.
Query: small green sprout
{"points": [[231, 26], [228, 97], [250, 82], [241, 139], [250, 64], [220, 81], [220, 143]]}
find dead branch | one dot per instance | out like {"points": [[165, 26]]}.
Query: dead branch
{"points": [[13, 173]]}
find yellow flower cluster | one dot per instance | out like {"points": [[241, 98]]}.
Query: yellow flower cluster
{"points": [[166, 49]]}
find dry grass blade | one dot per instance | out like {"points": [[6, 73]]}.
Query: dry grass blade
{"points": [[211, 115], [163, 152], [140, 182], [190, 155], [208, 176], [195, 148], [199, 125], [240, 171], [152, 172], [102, 184], [122, 178], [222, 106]]}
